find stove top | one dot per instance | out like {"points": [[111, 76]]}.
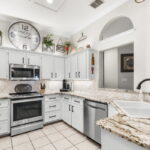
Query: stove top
{"points": [[25, 95]]}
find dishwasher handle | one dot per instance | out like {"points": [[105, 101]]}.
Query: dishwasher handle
{"points": [[103, 109]]}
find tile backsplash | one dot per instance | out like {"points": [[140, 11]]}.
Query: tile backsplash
{"points": [[83, 86]]}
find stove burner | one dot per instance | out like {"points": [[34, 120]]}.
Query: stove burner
{"points": [[25, 95]]}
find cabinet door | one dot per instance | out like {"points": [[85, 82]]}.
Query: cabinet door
{"points": [[77, 118], [33, 59], [47, 67], [4, 67], [17, 57], [66, 112], [59, 68], [68, 68], [82, 65], [74, 67]]}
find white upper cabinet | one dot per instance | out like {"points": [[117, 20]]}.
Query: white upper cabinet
{"points": [[33, 59], [68, 74], [74, 66], [53, 67], [16, 57], [47, 67], [82, 65], [4, 67], [59, 68]]}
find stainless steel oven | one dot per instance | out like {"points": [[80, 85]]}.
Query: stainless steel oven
{"points": [[26, 111], [24, 72]]}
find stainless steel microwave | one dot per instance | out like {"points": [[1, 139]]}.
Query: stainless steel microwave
{"points": [[24, 72]]}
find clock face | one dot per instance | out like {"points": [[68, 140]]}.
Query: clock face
{"points": [[24, 36]]}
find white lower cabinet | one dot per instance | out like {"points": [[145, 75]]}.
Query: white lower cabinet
{"points": [[72, 112], [52, 108], [77, 118], [66, 112], [4, 116], [111, 141]]}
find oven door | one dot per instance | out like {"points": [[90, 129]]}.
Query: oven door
{"points": [[26, 110]]}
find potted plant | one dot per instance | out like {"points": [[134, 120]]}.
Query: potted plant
{"points": [[48, 42], [68, 46]]}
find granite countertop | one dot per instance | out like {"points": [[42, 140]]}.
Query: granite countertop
{"points": [[132, 129], [87, 95], [5, 96]]}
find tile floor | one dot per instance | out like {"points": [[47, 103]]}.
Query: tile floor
{"points": [[58, 136]]}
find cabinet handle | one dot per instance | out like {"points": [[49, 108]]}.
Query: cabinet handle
{"points": [[23, 60], [72, 108], [79, 74], [52, 116], [66, 98], [52, 98], [69, 75], [28, 61], [69, 107], [55, 75], [51, 75], [52, 106], [76, 75], [76, 101]]}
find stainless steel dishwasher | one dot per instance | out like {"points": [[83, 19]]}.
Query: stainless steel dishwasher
{"points": [[94, 111]]}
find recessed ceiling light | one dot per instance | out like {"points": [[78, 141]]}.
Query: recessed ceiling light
{"points": [[139, 1], [50, 1]]}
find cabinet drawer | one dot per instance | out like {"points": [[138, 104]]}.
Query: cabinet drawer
{"points": [[52, 116], [77, 101], [3, 114], [49, 106], [67, 98], [4, 103], [52, 98], [4, 127]]}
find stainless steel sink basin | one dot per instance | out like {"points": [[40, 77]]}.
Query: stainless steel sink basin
{"points": [[135, 109]]}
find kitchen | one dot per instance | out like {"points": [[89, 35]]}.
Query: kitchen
{"points": [[75, 85]]}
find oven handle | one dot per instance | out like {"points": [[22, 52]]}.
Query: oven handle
{"points": [[26, 100]]}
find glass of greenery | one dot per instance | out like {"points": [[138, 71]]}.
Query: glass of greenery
{"points": [[48, 43]]}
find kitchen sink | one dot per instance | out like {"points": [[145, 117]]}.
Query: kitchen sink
{"points": [[135, 109]]}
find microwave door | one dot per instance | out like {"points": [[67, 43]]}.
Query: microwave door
{"points": [[21, 73]]}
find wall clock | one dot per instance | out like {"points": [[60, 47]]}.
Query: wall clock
{"points": [[24, 36]]}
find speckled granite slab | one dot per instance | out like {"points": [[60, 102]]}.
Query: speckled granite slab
{"points": [[134, 130]]}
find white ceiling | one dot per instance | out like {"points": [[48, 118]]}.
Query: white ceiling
{"points": [[65, 17]]}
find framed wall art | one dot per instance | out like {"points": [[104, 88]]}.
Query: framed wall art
{"points": [[127, 63], [60, 46]]}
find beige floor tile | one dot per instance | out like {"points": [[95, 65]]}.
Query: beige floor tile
{"points": [[35, 134], [25, 146], [49, 130], [55, 137], [76, 139], [5, 143], [61, 127], [58, 123], [87, 145], [69, 132], [47, 147], [20, 139], [62, 144], [42, 141], [72, 148]]}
